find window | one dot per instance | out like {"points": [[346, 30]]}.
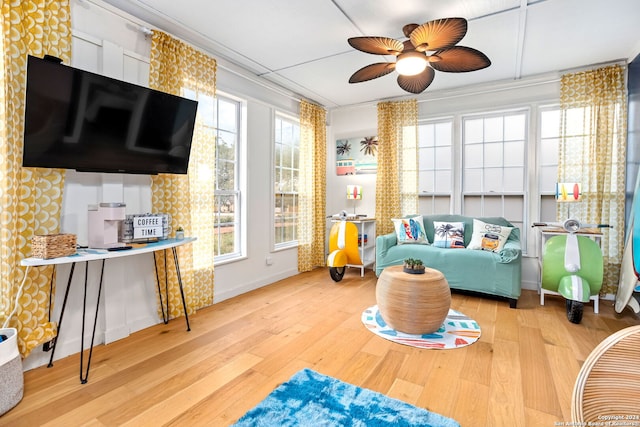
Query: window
{"points": [[228, 208], [221, 119], [548, 163], [286, 168], [494, 166], [435, 168]]}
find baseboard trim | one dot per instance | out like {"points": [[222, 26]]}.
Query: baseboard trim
{"points": [[251, 286]]}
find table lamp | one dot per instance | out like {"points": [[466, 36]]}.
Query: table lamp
{"points": [[354, 192], [568, 192]]}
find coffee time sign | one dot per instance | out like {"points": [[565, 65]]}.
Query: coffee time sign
{"points": [[147, 227]]}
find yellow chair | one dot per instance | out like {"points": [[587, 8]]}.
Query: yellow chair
{"points": [[608, 385]]}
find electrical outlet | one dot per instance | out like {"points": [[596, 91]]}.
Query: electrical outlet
{"points": [[269, 260]]}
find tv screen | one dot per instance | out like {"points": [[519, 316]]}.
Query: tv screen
{"points": [[76, 119]]}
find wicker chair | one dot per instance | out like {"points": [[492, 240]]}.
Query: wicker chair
{"points": [[608, 384]]}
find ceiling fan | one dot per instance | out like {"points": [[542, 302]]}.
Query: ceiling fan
{"points": [[431, 45]]}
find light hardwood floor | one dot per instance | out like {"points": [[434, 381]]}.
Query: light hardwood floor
{"points": [[520, 373]]}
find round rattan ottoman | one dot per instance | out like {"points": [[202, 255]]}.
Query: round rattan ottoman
{"points": [[415, 304]]}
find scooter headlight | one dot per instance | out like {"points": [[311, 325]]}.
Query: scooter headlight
{"points": [[571, 225]]}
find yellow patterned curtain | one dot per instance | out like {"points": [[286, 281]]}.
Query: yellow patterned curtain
{"points": [[179, 69], [312, 187], [31, 198], [592, 151], [397, 180]]}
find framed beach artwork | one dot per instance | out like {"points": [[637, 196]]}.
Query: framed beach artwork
{"points": [[357, 156]]}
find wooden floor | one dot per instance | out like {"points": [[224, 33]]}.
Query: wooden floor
{"points": [[520, 373]]}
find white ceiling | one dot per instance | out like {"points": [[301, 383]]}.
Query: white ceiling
{"points": [[302, 44]]}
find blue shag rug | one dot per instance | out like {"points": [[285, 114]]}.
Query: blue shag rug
{"points": [[313, 399]]}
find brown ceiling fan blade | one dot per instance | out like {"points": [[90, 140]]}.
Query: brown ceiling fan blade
{"points": [[460, 59], [377, 45], [408, 29], [439, 34], [372, 71], [417, 83]]}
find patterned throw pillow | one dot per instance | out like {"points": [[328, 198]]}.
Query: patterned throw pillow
{"points": [[488, 237], [448, 234], [410, 230]]}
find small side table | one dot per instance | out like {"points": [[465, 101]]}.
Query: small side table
{"points": [[413, 303]]}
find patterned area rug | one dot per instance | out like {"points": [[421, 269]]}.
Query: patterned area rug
{"points": [[457, 331], [312, 399]]}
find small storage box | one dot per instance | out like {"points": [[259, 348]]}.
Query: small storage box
{"points": [[11, 377], [53, 245]]}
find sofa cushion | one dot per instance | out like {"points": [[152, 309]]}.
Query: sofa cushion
{"points": [[488, 237], [410, 230], [448, 234]]}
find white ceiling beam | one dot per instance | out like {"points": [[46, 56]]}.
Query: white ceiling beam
{"points": [[522, 29]]}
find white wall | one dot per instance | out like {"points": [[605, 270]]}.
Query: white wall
{"points": [[108, 41]]}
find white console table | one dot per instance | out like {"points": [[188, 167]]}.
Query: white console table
{"points": [[86, 255]]}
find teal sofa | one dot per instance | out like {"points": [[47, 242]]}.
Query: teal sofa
{"points": [[493, 273]]}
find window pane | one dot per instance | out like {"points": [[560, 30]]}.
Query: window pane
{"points": [[472, 205], [548, 178], [514, 179], [425, 182], [443, 133], [426, 159], [493, 206], [473, 156], [443, 158], [514, 208], [225, 225], [514, 153], [549, 151], [493, 129], [574, 121], [493, 180], [226, 146], [550, 124], [287, 156], [443, 182], [514, 127], [206, 110], [296, 156], [473, 131], [426, 136], [493, 155], [548, 208], [228, 115], [473, 180]]}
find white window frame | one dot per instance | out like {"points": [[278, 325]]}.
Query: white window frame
{"points": [[290, 243], [428, 199], [239, 190], [503, 194]]}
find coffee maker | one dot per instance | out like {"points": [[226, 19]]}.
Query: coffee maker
{"points": [[105, 222]]}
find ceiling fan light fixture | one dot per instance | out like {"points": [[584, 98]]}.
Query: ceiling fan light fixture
{"points": [[411, 63]]}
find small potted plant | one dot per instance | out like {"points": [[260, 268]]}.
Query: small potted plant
{"points": [[179, 233], [413, 266]]}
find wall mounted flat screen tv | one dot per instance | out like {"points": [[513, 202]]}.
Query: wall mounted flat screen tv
{"points": [[79, 120]]}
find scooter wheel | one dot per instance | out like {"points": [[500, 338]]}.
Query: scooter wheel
{"points": [[337, 273], [574, 311]]}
